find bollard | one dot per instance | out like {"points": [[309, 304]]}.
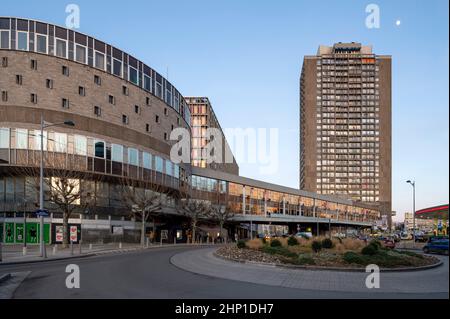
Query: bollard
{"points": [[175, 240], [90, 246], [146, 242], [160, 241], [120, 245], [24, 250], [0, 251], [79, 246], [54, 249], [71, 247]]}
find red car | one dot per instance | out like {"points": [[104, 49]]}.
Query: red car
{"points": [[389, 243]]}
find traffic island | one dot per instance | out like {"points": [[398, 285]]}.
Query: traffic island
{"points": [[326, 254]]}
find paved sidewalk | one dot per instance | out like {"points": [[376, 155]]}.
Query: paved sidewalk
{"points": [[202, 261], [13, 253]]}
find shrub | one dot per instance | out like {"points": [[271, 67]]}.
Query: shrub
{"points": [[305, 260], [327, 243], [264, 240], [275, 243], [369, 250], [292, 241], [376, 243], [241, 244], [279, 251], [254, 244], [352, 258], [353, 244], [316, 246]]}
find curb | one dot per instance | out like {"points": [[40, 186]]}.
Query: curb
{"points": [[4, 278], [322, 268], [100, 253]]}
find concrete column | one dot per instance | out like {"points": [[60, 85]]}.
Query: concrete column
{"points": [[284, 205], [243, 200], [265, 203]]}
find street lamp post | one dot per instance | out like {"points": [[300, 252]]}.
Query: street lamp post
{"points": [[41, 181], [413, 184]]}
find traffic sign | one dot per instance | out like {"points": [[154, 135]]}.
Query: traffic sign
{"points": [[42, 212]]}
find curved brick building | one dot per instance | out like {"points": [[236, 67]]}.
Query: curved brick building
{"points": [[124, 112]]}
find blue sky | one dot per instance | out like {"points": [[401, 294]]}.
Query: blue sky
{"points": [[246, 57]]}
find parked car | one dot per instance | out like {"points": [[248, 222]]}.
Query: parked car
{"points": [[406, 236], [306, 235], [396, 238], [388, 243], [433, 238], [437, 246], [422, 238]]}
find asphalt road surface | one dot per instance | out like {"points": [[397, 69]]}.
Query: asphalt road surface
{"points": [[149, 274]]}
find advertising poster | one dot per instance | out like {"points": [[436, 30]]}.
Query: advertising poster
{"points": [[59, 234]]}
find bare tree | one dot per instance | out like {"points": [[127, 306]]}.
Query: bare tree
{"points": [[195, 210], [62, 188], [221, 214], [143, 199]]}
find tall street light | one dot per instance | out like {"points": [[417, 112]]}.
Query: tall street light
{"points": [[413, 184], [41, 181]]}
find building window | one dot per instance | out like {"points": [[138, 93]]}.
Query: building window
{"points": [[97, 110], [99, 149], [22, 41], [171, 128], [82, 91], [136, 109], [159, 162], [5, 96], [117, 67], [61, 48], [60, 140], [117, 153], [147, 83], [41, 43], [65, 70], [21, 138], [33, 64], [165, 136], [112, 100], [49, 84], [4, 39], [124, 119], [97, 80], [133, 156], [124, 90], [19, 79], [80, 54], [147, 127], [178, 121], [157, 118], [146, 160], [133, 75], [147, 101], [4, 137], [33, 98], [99, 60], [37, 140], [65, 103], [166, 112], [80, 144], [4, 62]]}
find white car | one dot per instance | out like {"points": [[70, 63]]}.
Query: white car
{"points": [[304, 235]]}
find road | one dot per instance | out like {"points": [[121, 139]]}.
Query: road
{"points": [[149, 274]]}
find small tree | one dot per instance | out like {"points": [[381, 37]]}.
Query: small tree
{"points": [[221, 214], [195, 210], [61, 188], [143, 200]]}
